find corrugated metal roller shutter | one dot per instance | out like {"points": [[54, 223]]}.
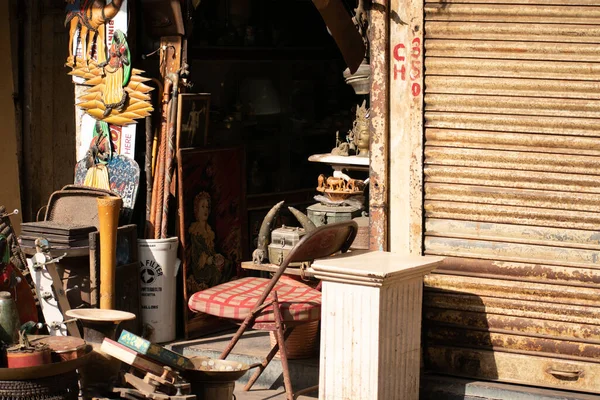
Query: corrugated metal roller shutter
{"points": [[512, 190]]}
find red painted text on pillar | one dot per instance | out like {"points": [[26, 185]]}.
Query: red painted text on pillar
{"points": [[415, 66], [399, 67]]}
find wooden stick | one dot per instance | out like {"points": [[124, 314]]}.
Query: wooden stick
{"points": [[158, 188], [169, 155], [148, 169]]}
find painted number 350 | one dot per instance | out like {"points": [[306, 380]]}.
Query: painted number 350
{"points": [[414, 64]]}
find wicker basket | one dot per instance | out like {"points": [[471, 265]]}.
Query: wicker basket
{"points": [[302, 343]]}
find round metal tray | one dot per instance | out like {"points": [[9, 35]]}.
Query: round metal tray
{"points": [[43, 371]]}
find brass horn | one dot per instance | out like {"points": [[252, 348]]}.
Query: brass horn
{"points": [[306, 223], [264, 234]]}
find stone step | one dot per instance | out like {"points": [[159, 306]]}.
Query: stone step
{"points": [[437, 387]]}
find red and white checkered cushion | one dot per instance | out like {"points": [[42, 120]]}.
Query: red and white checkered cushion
{"points": [[235, 299]]}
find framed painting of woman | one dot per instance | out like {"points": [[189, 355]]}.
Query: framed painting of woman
{"points": [[212, 224]]}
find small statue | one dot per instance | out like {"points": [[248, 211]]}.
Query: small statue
{"points": [[117, 72], [117, 93], [321, 182], [355, 185], [360, 130], [334, 183], [341, 148]]}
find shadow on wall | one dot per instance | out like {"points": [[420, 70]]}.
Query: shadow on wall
{"points": [[456, 341]]}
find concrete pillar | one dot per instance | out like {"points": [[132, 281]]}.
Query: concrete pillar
{"points": [[371, 325]]}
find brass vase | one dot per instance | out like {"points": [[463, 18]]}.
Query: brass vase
{"points": [[109, 208]]}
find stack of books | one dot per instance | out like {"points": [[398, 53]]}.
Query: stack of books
{"points": [[143, 355]]}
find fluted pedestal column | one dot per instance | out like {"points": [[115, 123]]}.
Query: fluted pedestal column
{"points": [[371, 325]]}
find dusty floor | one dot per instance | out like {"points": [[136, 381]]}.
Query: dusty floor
{"points": [[264, 394]]}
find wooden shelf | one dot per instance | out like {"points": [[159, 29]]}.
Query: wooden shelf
{"points": [[308, 272], [338, 162]]}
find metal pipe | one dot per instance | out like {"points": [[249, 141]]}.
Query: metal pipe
{"points": [[379, 136]]}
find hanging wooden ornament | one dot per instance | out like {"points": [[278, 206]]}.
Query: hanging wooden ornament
{"points": [[117, 94], [87, 22]]}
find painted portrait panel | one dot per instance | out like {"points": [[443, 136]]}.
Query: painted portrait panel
{"points": [[212, 223], [192, 120]]}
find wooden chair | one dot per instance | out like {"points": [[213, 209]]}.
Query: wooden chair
{"points": [[274, 305]]}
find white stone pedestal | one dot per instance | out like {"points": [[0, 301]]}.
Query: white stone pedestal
{"points": [[371, 325]]}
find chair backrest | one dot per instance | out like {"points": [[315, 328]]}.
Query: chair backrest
{"points": [[321, 242]]}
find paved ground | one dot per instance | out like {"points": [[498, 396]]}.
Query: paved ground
{"points": [[264, 394]]}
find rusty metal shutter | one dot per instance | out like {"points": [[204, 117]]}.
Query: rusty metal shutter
{"points": [[512, 190]]}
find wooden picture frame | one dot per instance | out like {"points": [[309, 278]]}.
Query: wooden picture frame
{"points": [[212, 225], [193, 115]]}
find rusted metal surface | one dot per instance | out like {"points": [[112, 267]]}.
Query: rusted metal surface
{"points": [[511, 165], [512, 68], [512, 178], [580, 108], [507, 214], [513, 141], [512, 251], [514, 197], [515, 368], [518, 271], [513, 123], [562, 33], [525, 160], [456, 300], [509, 342], [544, 2], [379, 125], [492, 85], [513, 50], [538, 13], [575, 332], [532, 291]]}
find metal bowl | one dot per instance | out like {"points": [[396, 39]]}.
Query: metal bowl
{"points": [[212, 370]]}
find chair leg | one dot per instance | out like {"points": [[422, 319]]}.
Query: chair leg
{"points": [[287, 382], [247, 322], [304, 391], [236, 337], [266, 361]]}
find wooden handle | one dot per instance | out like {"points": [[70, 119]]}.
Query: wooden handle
{"points": [[565, 374]]}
